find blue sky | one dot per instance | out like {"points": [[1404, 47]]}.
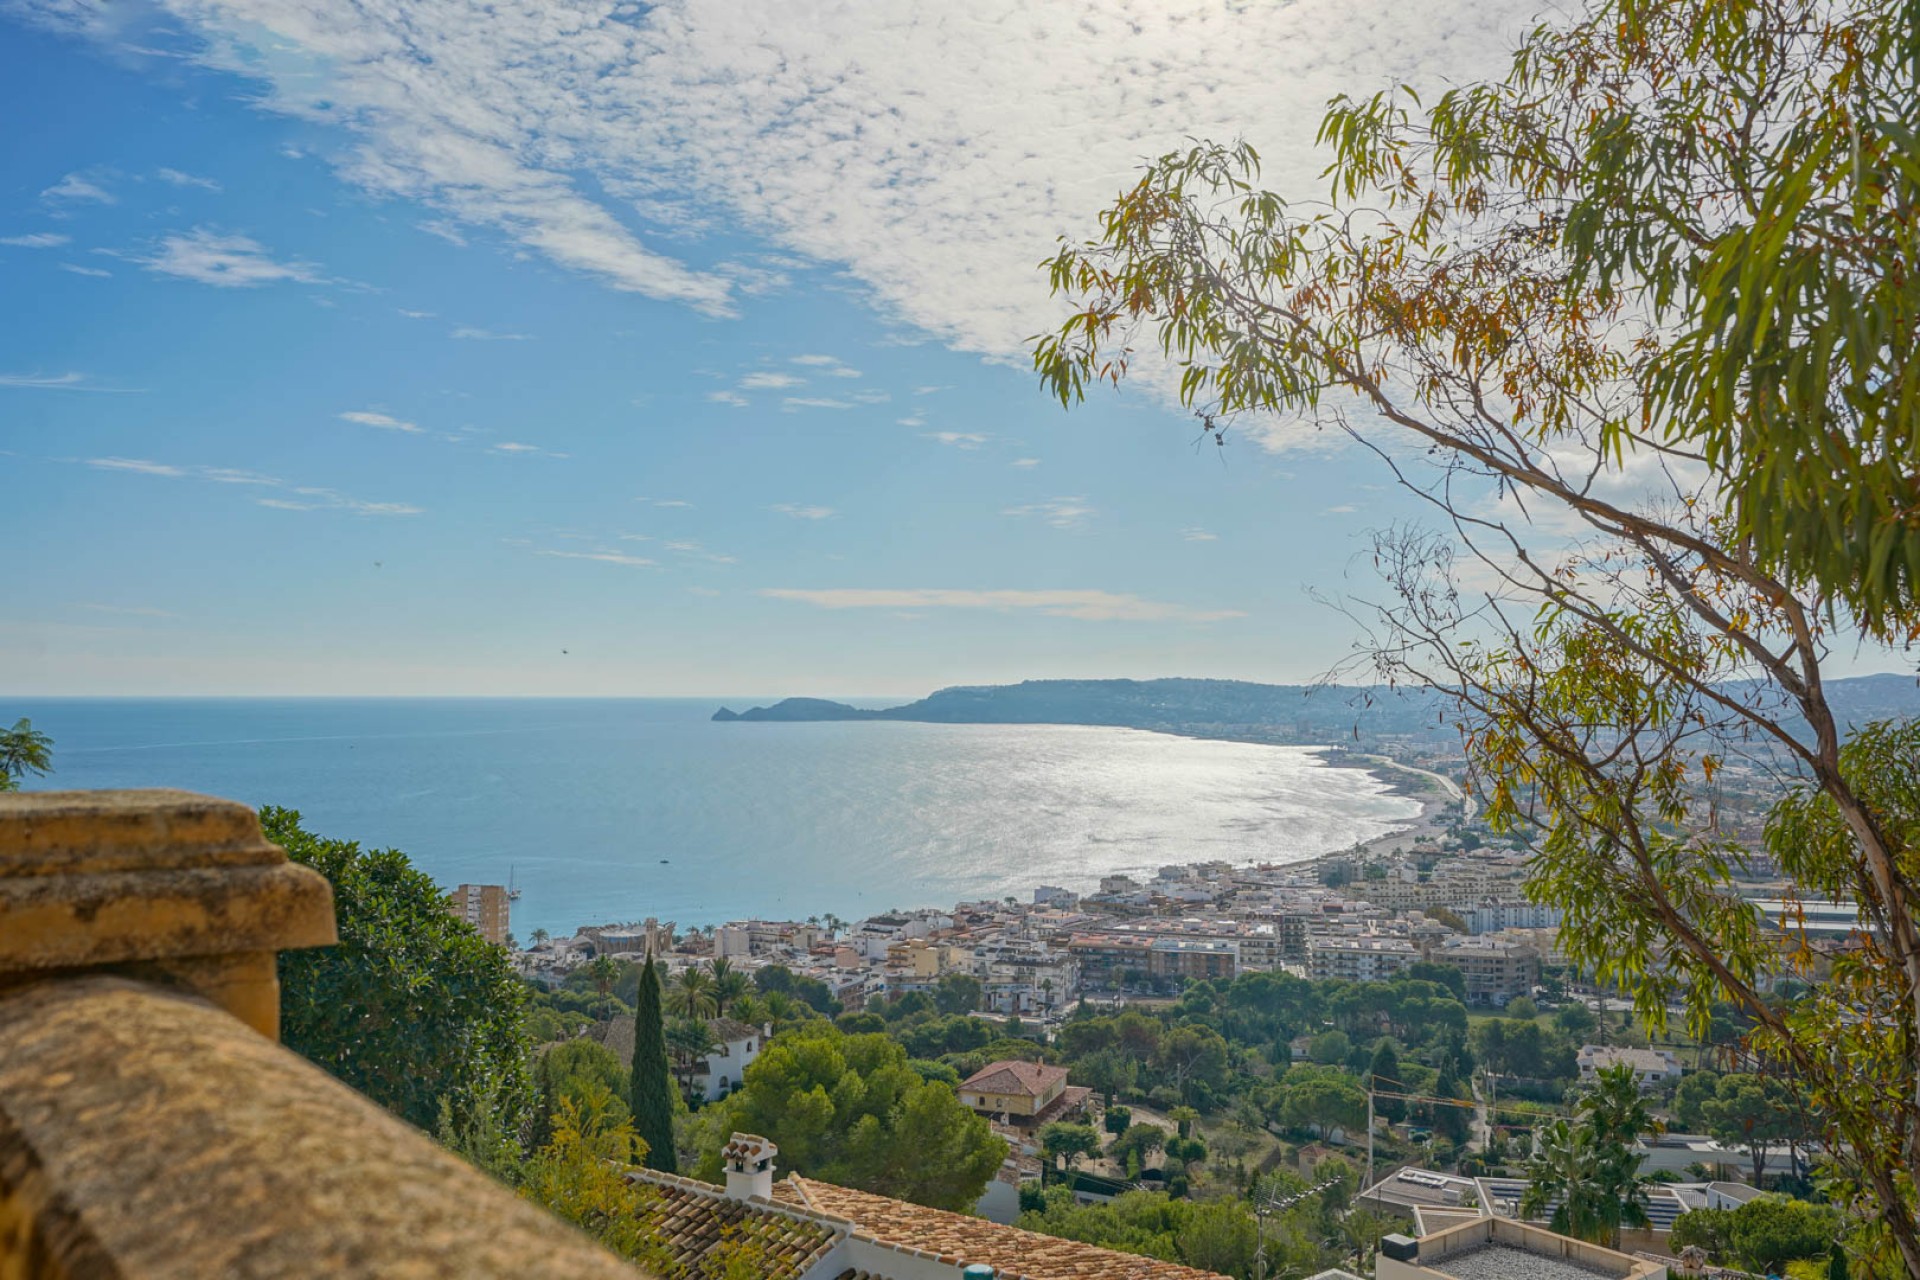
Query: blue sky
{"points": [[607, 350]]}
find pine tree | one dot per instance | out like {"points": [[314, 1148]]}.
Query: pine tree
{"points": [[652, 1103]]}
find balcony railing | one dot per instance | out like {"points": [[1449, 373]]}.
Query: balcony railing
{"points": [[152, 1126]]}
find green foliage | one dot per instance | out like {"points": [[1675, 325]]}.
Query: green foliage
{"points": [[1770, 1231], [1118, 1120], [811, 992], [1761, 1235], [1329, 1048], [23, 750], [579, 1176], [1069, 1142], [1652, 288], [651, 1097], [937, 1072], [1383, 1073], [958, 993], [569, 1072], [1133, 1147], [1752, 1112], [1524, 1048], [411, 1007], [852, 1110], [1574, 1021], [691, 995], [479, 1137], [1219, 1235], [1323, 1101], [1589, 1164]]}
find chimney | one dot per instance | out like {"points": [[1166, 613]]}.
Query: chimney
{"points": [[749, 1163]]}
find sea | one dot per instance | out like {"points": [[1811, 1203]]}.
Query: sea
{"points": [[618, 809]]}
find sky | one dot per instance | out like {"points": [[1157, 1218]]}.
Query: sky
{"points": [[429, 347]]}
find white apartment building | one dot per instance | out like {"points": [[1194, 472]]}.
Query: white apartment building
{"points": [[1361, 959]]}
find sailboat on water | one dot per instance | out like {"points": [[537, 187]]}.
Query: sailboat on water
{"points": [[513, 894]]}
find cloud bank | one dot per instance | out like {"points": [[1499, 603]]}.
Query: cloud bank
{"points": [[934, 150]]}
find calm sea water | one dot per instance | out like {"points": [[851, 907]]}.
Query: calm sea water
{"points": [[619, 809]]}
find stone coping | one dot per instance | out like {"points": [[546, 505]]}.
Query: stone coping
{"points": [[147, 1135]]}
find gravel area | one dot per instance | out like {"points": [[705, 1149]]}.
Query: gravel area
{"points": [[1503, 1262]]}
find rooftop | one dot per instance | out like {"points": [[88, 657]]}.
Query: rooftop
{"points": [[1013, 1075], [693, 1218], [1015, 1254], [1505, 1262]]}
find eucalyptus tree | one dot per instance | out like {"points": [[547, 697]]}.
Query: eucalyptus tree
{"points": [[1639, 323], [23, 750]]}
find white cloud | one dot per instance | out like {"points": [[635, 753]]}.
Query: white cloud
{"points": [[368, 418], [897, 139], [142, 465], [50, 382], [1061, 513], [605, 557], [1024, 462], [828, 366], [37, 240], [228, 261], [733, 398], [958, 439], [664, 502], [814, 402], [803, 513], [768, 381], [1344, 509], [695, 551], [75, 187], [95, 272], [176, 178], [320, 499], [235, 475], [471, 334], [913, 420], [517, 449], [416, 315], [1091, 606], [305, 497], [1199, 535], [445, 230]]}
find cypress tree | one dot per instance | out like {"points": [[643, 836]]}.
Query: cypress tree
{"points": [[1385, 1073], [652, 1103]]}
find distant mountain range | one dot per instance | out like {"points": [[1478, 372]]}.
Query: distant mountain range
{"points": [[1276, 712]]}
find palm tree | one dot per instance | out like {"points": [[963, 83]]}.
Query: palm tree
{"points": [[604, 972], [23, 751], [729, 984], [691, 995], [688, 1041], [1593, 1181], [539, 936], [779, 1005]]}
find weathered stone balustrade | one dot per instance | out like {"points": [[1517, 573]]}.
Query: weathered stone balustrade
{"points": [[150, 1123]]}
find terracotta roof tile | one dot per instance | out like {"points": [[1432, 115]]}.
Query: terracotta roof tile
{"points": [[693, 1218], [1015, 1254], [1014, 1076]]}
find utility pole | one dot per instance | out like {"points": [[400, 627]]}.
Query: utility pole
{"points": [[1369, 1182]]}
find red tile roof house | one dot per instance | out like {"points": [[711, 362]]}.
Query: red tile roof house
{"points": [[814, 1230], [1025, 1095]]}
